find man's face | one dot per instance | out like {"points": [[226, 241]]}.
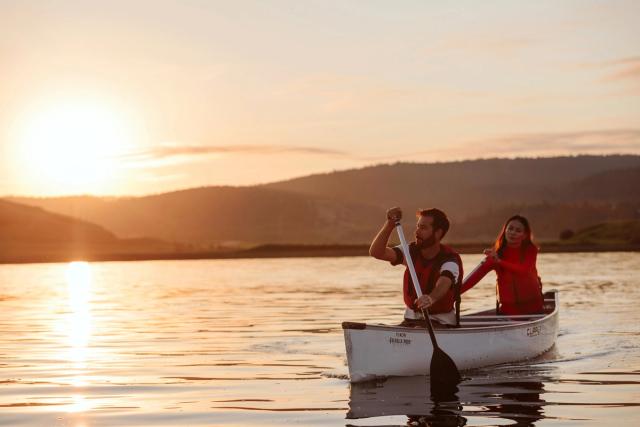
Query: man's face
{"points": [[425, 236]]}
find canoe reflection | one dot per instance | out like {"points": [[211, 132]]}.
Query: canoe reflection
{"points": [[513, 397]]}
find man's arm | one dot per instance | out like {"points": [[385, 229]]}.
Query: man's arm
{"points": [[378, 248], [449, 274], [443, 284]]}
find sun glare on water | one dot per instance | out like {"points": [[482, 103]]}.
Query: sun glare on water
{"points": [[73, 147], [79, 281]]}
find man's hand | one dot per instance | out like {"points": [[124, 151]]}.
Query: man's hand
{"points": [[394, 214], [424, 302]]}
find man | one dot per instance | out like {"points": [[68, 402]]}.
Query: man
{"points": [[438, 267]]}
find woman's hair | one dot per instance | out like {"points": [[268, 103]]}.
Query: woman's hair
{"points": [[501, 241]]}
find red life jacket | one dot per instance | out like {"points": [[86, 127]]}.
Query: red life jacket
{"points": [[428, 272], [519, 292]]}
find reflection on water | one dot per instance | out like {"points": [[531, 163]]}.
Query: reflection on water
{"points": [[78, 404], [258, 342], [516, 397], [79, 281], [79, 325]]}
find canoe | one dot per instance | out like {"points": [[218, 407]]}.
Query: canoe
{"points": [[483, 339]]}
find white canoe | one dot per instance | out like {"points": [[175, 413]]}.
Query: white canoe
{"points": [[483, 339]]}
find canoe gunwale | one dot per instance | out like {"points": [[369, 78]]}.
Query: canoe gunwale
{"points": [[479, 329]]}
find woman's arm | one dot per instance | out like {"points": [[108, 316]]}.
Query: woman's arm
{"points": [[527, 264], [487, 265]]}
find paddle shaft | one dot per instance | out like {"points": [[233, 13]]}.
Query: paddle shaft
{"points": [[471, 274], [473, 271], [443, 371], [414, 279]]}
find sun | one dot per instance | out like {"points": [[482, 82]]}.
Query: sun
{"points": [[72, 147]]}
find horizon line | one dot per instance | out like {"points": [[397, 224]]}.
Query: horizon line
{"points": [[259, 184]]}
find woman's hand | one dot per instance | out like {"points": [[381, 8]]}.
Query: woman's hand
{"points": [[491, 254]]}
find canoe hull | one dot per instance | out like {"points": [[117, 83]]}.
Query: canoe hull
{"points": [[380, 351]]}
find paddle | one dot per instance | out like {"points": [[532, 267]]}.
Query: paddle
{"points": [[444, 372], [466, 279]]}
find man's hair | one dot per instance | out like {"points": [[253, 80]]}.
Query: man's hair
{"points": [[440, 220]]}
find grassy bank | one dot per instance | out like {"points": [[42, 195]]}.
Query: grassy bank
{"points": [[293, 251]]}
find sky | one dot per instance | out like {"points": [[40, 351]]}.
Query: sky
{"points": [[145, 96]]}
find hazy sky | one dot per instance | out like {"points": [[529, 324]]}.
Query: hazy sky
{"points": [[137, 97]]}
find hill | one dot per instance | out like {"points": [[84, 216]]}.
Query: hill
{"points": [[612, 233], [348, 206], [30, 233], [467, 188], [213, 217]]}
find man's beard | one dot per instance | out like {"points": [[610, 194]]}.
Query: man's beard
{"points": [[425, 243]]}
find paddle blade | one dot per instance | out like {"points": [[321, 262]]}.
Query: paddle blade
{"points": [[445, 376]]}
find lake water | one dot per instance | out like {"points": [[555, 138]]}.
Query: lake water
{"points": [[259, 342]]}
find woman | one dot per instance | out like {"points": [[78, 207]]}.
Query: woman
{"points": [[513, 257]]}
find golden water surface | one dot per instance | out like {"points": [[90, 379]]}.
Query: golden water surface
{"points": [[259, 342]]}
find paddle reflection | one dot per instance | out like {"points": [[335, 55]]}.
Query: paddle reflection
{"points": [[514, 397]]}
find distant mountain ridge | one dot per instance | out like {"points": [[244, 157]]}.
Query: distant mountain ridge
{"points": [[348, 206], [26, 223], [472, 186], [28, 233], [212, 216]]}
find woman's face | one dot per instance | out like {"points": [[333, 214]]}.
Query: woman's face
{"points": [[514, 233]]}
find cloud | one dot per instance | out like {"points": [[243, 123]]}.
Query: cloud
{"points": [[482, 45], [623, 61], [170, 154], [560, 143], [603, 141], [623, 69], [629, 73], [606, 141]]}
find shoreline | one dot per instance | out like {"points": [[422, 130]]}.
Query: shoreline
{"points": [[288, 251]]}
